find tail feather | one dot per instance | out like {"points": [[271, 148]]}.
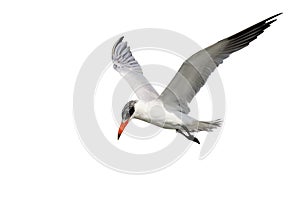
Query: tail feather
{"points": [[205, 125]]}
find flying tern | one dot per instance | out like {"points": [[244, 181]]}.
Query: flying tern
{"points": [[170, 109]]}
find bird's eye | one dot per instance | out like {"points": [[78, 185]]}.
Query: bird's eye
{"points": [[131, 111]]}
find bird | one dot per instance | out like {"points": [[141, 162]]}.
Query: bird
{"points": [[169, 110]]}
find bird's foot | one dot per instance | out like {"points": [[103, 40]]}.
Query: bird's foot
{"points": [[196, 140]]}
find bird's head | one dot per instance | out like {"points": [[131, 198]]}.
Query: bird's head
{"points": [[127, 114]]}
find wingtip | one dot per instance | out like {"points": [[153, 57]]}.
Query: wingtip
{"points": [[121, 38], [274, 16], [116, 44]]}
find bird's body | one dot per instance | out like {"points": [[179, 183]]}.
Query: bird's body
{"points": [[170, 109], [155, 113]]}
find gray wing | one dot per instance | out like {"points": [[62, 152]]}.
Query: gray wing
{"points": [[195, 71], [130, 69]]}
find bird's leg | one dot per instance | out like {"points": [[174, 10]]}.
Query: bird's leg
{"points": [[180, 131], [187, 131], [190, 136]]}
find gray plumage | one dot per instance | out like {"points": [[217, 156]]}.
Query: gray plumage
{"points": [[129, 68], [170, 109], [195, 71]]}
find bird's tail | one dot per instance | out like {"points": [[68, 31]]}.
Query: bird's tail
{"points": [[205, 125]]}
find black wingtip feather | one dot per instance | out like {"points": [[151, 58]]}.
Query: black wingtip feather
{"points": [[273, 16], [222, 49], [260, 25], [270, 22]]}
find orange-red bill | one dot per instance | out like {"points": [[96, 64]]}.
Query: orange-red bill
{"points": [[122, 127]]}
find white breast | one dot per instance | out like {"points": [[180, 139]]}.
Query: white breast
{"points": [[155, 113]]}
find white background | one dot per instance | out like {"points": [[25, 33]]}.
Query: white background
{"points": [[42, 47]]}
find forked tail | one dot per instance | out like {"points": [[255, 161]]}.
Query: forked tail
{"points": [[205, 125]]}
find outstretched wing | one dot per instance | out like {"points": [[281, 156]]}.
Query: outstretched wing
{"points": [[130, 69], [195, 71]]}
